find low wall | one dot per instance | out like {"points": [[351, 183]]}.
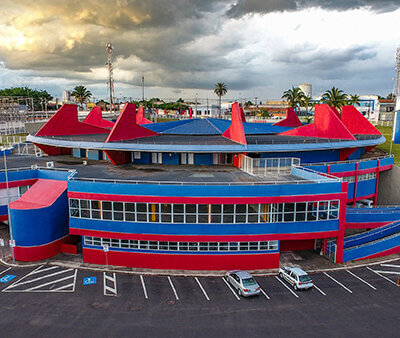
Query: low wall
{"points": [[389, 187]]}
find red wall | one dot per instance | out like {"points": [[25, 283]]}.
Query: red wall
{"points": [[296, 245], [183, 262]]}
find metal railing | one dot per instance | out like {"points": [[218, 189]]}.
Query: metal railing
{"points": [[188, 183], [353, 161], [325, 176], [267, 166]]}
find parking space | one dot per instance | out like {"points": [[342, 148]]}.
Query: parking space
{"points": [[153, 290]]}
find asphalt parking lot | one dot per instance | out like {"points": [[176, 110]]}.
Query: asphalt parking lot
{"points": [[50, 300]]}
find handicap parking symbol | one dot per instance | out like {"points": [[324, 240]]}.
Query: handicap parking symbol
{"points": [[89, 280], [6, 278]]}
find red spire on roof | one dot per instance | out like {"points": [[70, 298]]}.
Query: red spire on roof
{"points": [[326, 125], [236, 132], [140, 119], [291, 119], [356, 122], [95, 118], [65, 122], [126, 127], [242, 116]]}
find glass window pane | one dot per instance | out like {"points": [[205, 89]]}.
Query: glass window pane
{"points": [[240, 208], [141, 207], [84, 204], [130, 207], [228, 219], [191, 208], [106, 205], [95, 205], [118, 206], [107, 215]]}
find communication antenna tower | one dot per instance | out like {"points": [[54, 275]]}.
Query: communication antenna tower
{"points": [[397, 66], [110, 82]]}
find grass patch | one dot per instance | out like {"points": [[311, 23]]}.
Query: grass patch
{"points": [[387, 132]]}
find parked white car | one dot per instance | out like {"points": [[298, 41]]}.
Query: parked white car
{"points": [[297, 277], [243, 282]]}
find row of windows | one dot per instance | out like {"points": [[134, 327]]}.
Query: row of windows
{"points": [[205, 213], [363, 177], [182, 246]]}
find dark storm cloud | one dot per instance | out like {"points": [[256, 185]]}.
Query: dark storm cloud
{"points": [[243, 7]]}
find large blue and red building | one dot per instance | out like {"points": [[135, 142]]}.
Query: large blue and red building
{"points": [[203, 194]]}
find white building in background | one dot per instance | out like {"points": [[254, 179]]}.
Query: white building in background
{"points": [[211, 110], [306, 88], [66, 96]]}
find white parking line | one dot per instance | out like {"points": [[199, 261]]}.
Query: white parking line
{"points": [[173, 288], [5, 270], [336, 281], [263, 292], [45, 284], [391, 265], [23, 277], [43, 270], [230, 288], [144, 287], [388, 272], [202, 289], [292, 292], [378, 273], [109, 290], [318, 289], [42, 277], [362, 280]]}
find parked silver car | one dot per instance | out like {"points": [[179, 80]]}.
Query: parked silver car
{"points": [[243, 282], [297, 277]]}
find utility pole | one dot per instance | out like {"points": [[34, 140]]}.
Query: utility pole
{"points": [[196, 107], [142, 89], [110, 82], [255, 102], [397, 67]]}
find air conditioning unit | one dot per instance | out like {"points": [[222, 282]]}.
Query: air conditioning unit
{"points": [[84, 162], [34, 166], [50, 164]]}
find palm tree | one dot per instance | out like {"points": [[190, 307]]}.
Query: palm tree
{"points": [[335, 97], [81, 94], [306, 103], [220, 90], [294, 97], [354, 100]]}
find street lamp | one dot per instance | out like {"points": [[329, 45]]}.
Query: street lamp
{"points": [[12, 243]]}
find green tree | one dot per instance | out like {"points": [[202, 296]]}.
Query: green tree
{"points": [[354, 100], [220, 90], [293, 97], [335, 97], [39, 97], [390, 96], [307, 103], [81, 94]]}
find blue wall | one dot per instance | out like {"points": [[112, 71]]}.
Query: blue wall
{"points": [[41, 226], [170, 158], [307, 188], [203, 159], [371, 215], [204, 229], [145, 158]]}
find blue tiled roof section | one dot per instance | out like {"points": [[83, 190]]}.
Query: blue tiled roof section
{"points": [[211, 127]]}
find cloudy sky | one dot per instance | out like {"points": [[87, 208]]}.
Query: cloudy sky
{"points": [[183, 47]]}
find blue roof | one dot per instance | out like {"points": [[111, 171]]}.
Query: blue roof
{"points": [[211, 127]]}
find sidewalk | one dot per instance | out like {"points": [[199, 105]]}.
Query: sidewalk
{"points": [[309, 261]]}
